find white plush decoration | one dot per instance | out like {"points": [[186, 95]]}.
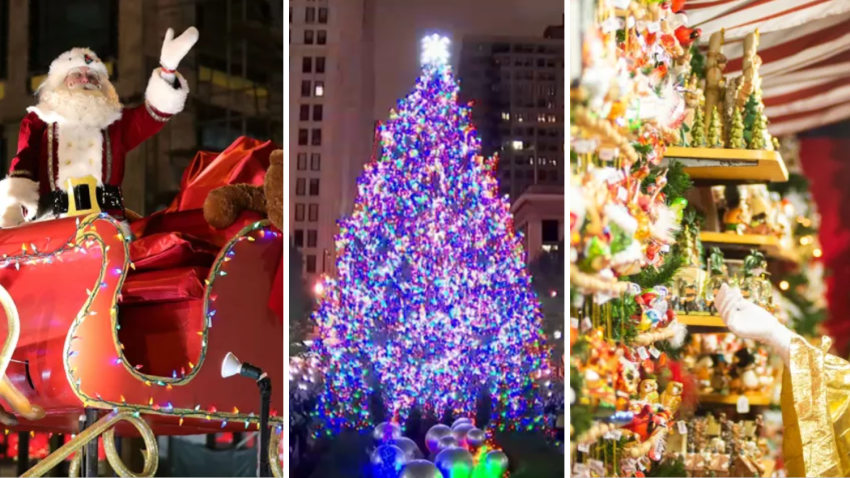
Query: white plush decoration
{"points": [[664, 228], [620, 216], [681, 331]]}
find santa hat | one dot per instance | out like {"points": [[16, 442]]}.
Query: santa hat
{"points": [[74, 58]]}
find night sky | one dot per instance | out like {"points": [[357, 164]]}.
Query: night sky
{"points": [[400, 24]]}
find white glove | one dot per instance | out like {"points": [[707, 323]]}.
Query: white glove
{"points": [[175, 49], [749, 321]]}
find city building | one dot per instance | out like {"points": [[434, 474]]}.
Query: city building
{"points": [[517, 89], [331, 127], [539, 216], [235, 73]]}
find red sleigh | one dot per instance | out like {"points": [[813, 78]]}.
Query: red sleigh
{"points": [[137, 331]]}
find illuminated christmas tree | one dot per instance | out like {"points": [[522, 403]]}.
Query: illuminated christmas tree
{"points": [[432, 307]]}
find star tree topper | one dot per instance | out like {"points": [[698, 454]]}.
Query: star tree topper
{"points": [[435, 50]]}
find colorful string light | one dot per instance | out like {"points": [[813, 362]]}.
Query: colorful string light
{"points": [[432, 305]]}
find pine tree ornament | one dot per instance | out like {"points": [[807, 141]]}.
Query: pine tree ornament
{"points": [[752, 110], [736, 131], [759, 129], [698, 129], [715, 130], [432, 308]]}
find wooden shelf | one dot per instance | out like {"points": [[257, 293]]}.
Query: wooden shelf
{"points": [[700, 320], [769, 244], [730, 165], [755, 399]]}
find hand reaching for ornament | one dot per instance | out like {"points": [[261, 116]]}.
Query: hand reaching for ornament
{"points": [[175, 49], [749, 321]]}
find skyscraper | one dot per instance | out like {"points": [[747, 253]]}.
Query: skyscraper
{"points": [[331, 120], [516, 85]]}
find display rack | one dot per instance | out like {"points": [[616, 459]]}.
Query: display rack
{"points": [[770, 245], [741, 166]]}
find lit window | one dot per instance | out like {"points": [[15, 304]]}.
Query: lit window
{"points": [[517, 145], [320, 88], [506, 116]]}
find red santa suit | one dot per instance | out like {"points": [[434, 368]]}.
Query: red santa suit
{"points": [[53, 148]]}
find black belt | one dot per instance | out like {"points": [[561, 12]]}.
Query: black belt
{"points": [[109, 199]]}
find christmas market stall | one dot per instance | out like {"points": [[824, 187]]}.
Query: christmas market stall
{"points": [[686, 183]]}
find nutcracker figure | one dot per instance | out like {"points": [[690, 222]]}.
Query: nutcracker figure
{"points": [[72, 144]]}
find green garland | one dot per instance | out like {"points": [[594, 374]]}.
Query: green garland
{"points": [[697, 65]]}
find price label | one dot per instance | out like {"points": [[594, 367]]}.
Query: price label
{"points": [[586, 324], [643, 353], [653, 27], [608, 154], [622, 4], [628, 466], [683, 427], [597, 467], [617, 434], [611, 25], [743, 404], [573, 323], [583, 447], [608, 436], [622, 194], [580, 470], [654, 352]]}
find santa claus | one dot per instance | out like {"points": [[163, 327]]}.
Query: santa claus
{"points": [[74, 141]]}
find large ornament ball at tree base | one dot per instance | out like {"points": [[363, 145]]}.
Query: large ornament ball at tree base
{"points": [[475, 438], [493, 465], [447, 441], [409, 447], [460, 421], [386, 432], [455, 462], [420, 469], [387, 461], [432, 438], [460, 433]]}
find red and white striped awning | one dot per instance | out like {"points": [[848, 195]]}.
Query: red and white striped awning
{"points": [[805, 49]]}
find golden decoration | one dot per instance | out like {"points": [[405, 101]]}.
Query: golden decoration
{"points": [[104, 426], [274, 456]]}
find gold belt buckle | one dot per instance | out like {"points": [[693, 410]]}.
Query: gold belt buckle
{"points": [[91, 186]]}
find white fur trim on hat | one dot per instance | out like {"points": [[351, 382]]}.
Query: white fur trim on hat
{"points": [[19, 192], [74, 58], [163, 96]]}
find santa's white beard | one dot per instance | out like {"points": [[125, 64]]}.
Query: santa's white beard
{"points": [[81, 107]]}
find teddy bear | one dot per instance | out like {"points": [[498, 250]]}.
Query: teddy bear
{"points": [[224, 204]]}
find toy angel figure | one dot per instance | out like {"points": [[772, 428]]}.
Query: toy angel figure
{"points": [[815, 390]]}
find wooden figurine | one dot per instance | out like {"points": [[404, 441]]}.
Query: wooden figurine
{"points": [[649, 391], [672, 397], [714, 65], [737, 217]]}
